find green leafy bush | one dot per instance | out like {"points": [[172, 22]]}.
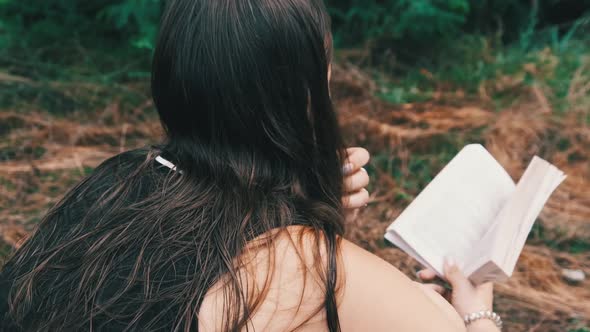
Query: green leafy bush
{"points": [[456, 39], [35, 23], [136, 17], [358, 20]]}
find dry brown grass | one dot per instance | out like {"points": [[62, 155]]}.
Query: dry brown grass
{"points": [[536, 298], [48, 154]]}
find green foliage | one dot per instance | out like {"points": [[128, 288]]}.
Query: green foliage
{"points": [[424, 22], [412, 173], [357, 20], [558, 239], [554, 62], [139, 16], [33, 23], [104, 41], [460, 44]]}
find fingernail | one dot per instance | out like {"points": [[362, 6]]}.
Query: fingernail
{"points": [[450, 261], [363, 169], [418, 275], [347, 169]]}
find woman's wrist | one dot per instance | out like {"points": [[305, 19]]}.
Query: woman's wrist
{"points": [[482, 325], [488, 315]]}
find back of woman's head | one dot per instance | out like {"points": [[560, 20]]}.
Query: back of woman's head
{"points": [[241, 87], [244, 84]]}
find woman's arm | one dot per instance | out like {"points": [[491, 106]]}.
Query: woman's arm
{"points": [[378, 297]]}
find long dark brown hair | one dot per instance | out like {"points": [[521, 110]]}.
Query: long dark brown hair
{"points": [[241, 87]]}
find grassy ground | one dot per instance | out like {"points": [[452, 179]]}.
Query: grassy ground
{"points": [[518, 104], [55, 126]]}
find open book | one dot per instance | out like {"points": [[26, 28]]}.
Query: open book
{"points": [[472, 211]]}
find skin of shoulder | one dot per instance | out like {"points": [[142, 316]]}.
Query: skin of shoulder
{"points": [[373, 295], [379, 297]]}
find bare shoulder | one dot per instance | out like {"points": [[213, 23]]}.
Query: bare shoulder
{"points": [[282, 269], [285, 268], [379, 297]]}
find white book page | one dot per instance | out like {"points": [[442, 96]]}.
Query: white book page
{"points": [[505, 240], [552, 177], [452, 214], [400, 243], [544, 178]]}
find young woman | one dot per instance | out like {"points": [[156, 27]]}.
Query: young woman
{"points": [[235, 221]]}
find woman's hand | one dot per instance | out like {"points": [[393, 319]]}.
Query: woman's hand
{"points": [[465, 297], [355, 179]]}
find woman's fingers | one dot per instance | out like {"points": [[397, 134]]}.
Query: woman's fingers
{"points": [[429, 275], [356, 200], [455, 276], [465, 296], [357, 158], [426, 274], [437, 288], [356, 181]]}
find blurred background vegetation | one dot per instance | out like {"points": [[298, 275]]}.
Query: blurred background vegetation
{"points": [[420, 44], [415, 80]]}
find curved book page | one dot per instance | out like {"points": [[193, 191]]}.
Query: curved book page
{"points": [[506, 238], [455, 210], [473, 212]]}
